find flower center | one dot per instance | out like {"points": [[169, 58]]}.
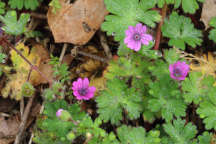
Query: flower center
{"points": [[136, 37], [82, 91], [177, 72]]}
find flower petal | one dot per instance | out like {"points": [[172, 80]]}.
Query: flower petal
{"points": [[148, 37], [137, 46], [128, 39], [144, 29], [138, 27], [85, 82]]}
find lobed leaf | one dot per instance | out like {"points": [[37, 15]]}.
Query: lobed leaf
{"points": [[138, 135], [117, 22], [179, 132], [12, 25], [181, 31]]}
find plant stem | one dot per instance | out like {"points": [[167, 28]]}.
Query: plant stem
{"points": [[158, 35]]}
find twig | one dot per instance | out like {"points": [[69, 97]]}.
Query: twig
{"points": [[158, 35], [104, 44], [24, 120], [75, 51], [21, 107], [37, 15], [63, 52], [26, 60], [30, 141]]}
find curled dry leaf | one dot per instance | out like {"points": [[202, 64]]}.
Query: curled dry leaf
{"points": [[208, 11], [76, 23]]}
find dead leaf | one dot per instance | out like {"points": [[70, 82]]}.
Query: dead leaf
{"points": [[8, 129], [208, 11], [76, 23], [99, 83], [39, 57], [90, 66], [206, 65]]}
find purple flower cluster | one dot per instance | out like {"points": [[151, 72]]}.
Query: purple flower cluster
{"points": [[179, 70], [136, 36], [82, 90]]}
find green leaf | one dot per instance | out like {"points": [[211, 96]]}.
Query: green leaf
{"points": [[117, 97], [161, 3], [12, 26], [20, 4], [2, 7], [180, 30], [190, 6], [179, 132], [166, 98], [212, 34], [212, 22], [55, 4], [207, 110], [27, 89], [196, 89], [131, 135], [171, 56], [205, 138], [117, 22]]}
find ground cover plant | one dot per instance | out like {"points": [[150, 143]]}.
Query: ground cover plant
{"points": [[107, 72]]}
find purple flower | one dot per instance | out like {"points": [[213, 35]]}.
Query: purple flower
{"points": [[135, 36], [58, 113], [179, 70], [82, 90]]}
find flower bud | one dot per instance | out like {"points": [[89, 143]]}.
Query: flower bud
{"points": [[71, 136], [63, 115]]}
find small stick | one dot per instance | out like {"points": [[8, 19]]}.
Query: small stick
{"points": [[104, 44], [37, 15], [158, 35], [93, 56], [75, 51], [24, 120], [63, 52], [21, 107], [30, 141]]}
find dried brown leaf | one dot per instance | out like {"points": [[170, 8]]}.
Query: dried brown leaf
{"points": [[208, 11], [76, 23]]}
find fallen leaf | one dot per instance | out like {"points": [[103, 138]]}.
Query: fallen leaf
{"points": [[99, 83], [37, 56], [76, 23], [8, 129], [208, 11], [206, 65], [90, 66]]}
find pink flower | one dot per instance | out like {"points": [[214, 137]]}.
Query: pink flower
{"points": [[58, 113], [135, 36], [81, 89], [179, 70]]}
